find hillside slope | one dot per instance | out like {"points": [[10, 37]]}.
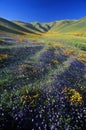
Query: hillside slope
{"points": [[75, 27]]}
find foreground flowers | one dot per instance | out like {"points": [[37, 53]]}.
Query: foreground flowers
{"points": [[3, 56], [73, 95]]}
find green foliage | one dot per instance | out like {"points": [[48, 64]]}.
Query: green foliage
{"points": [[5, 78]]}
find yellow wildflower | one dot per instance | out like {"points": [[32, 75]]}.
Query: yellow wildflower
{"points": [[73, 95]]}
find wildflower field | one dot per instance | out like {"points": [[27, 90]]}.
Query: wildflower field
{"points": [[42, 82]]}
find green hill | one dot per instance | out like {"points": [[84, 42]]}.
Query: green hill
{"points": [[43, 27], [16, 27], [74, 27], [19, 27]]}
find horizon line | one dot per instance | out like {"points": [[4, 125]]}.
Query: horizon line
{"points": [[17, 20]]}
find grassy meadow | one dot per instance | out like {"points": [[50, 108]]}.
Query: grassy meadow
{"points": [[43, 75]]}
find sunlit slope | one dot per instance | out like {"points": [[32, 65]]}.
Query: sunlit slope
{"points": [[61, 24], [75, 27]]}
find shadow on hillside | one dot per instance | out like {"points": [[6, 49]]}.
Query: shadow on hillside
{"points": [[2, 28], [13, 26], [43, 28], [32, 27]]}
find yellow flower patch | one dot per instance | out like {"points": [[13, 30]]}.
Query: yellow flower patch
{"points": [[3, 56], [29, 98], [73, 95], [54, 62], [82, 58], [54, 46], [69, 52], [83, 55], [56, 52]]}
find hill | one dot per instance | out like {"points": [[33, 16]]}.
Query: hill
{"points": [[74, 27], [19, 27]]}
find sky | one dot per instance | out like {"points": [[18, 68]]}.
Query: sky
{"points": [[42, 10]]}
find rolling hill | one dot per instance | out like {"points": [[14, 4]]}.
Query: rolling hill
{"points": [[18, 27], [77, 27], [74, 27]]}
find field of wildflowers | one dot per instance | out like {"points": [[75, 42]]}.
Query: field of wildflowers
{"points": [[42, 85]]}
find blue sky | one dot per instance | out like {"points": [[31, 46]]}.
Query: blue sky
{"points": [[42, 10]]}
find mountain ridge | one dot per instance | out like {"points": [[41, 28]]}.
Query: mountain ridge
{"points": [[75, 27]]}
